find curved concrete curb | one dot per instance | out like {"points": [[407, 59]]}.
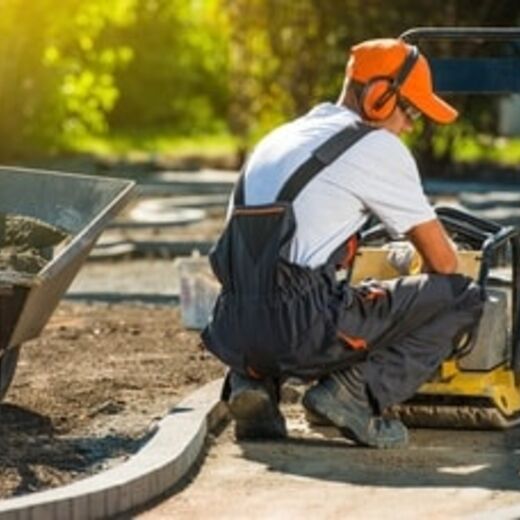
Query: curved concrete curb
{"points": [[158, 466]]}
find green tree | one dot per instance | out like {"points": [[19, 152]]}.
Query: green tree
{"points": [[56, 81], [178, 77]]}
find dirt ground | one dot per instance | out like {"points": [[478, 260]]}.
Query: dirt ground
{"points": [[87, 390]]}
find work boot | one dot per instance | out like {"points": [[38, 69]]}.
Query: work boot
{"points": [[254, 407], [342, 400]]}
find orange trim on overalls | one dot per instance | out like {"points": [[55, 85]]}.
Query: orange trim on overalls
{"points": [[251, 372], [374, 293], [354, 342], [351, 246], [258, 211]]}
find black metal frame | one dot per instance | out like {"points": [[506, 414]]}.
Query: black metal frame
{"points": [[492, 237], [473, 74], [461, 33]]}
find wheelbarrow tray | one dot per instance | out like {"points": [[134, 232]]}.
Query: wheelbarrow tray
{"points": [[79, 204]]}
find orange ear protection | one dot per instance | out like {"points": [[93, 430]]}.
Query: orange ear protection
{"points": [[380, 95]]}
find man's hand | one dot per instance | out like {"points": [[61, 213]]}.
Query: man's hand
{"points": [[438, 252]]}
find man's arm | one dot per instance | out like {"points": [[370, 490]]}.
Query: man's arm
{"points": [[434, 245]]}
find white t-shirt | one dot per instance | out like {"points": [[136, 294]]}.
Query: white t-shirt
{"points": [[376, 175]]}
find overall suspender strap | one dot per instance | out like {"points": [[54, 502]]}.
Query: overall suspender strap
{"points": [[321, 157], [324, 155], [238, 194]]}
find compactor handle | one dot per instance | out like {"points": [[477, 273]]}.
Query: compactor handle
{"points": [[515, 247], [461, 33], [475, 73]]}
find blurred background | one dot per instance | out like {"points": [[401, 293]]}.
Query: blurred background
{"points": [[98, 83]]}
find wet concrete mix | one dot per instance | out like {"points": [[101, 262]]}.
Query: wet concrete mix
{"points": [[26, 246]]}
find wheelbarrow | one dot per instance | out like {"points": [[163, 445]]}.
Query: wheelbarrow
{"points": [[80, 206]]}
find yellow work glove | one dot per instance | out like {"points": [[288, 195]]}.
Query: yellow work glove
{"points": [[404, 258]]}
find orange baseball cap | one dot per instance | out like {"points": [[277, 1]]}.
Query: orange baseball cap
{"points": [[384, 58]]}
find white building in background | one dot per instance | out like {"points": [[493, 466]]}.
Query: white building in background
{"points": [[509, 123]]}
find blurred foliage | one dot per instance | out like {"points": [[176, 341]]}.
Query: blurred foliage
{"points": [[56, 80], [178, 77], [288, 56], [146, 144], [73, 70]]}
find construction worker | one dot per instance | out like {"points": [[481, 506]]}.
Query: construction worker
{"points": [[304, 194]]}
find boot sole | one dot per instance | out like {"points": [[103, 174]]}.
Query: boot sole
{"points": [[315, 419], [319, 416], [256, 417], [322, 414]]}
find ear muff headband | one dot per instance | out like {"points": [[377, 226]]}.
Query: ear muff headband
{"points": [[379, 96]]}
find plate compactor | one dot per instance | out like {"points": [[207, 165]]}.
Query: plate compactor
{"points": [[479, 386]]}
